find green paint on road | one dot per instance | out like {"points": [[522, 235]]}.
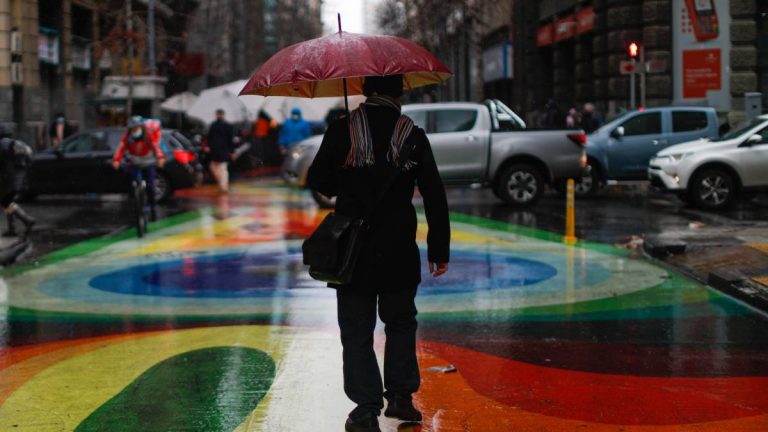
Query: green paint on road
{"points": [[212, 389]]}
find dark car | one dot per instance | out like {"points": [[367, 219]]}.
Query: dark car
{"points": [[82, 164]]}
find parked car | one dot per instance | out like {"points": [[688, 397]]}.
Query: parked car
{"points": [[479, 144], [620, 150], [711, 173], [82, 163]]}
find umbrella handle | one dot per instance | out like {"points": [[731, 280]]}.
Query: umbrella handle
{"points": [[344, 80]]}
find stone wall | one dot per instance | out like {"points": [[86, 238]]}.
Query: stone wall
{"points": [[743, 55]]}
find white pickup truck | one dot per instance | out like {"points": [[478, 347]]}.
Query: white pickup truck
{"points": [[479, 144]]}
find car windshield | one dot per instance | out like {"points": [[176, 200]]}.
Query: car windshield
{"points": [[738, 132]]}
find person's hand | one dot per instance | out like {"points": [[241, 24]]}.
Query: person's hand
{"points": [[160, 163], [437, 269], [116, 165], [206, 149], [232, 156]]}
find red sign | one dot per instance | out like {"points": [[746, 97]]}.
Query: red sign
{"points": [[702, 71], [545, 35], [565, 28], [585, 19], [627, 67]]}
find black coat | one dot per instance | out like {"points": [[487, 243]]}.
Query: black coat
{"points": [[390, 258], [221, 143]]}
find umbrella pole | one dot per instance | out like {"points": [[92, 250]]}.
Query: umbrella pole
{"points": [[343, 80]]}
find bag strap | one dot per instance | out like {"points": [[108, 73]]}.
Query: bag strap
{"points": [[404, 156]]}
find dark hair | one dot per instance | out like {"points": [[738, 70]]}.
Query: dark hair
{"points": [[390, 85], [219, 111]]}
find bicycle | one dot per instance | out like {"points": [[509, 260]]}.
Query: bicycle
{"points": [[139, 194]]}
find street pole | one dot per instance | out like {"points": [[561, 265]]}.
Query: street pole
{"points": [[632, 85], [151, 36], [129, 36], [642, 77]]}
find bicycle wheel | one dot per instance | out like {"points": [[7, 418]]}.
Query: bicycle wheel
{"points": [[140, 199]]}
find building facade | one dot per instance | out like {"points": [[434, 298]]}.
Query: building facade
{"points": [[46, 64], [570, 52]]}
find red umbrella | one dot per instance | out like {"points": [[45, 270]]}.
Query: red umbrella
{"points": [[334, 65]]}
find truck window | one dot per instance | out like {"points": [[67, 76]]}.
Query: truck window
{"points": [[454, 120], [643, 124], [686, 121], [419, 118]]}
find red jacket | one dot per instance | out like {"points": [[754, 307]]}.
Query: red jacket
{"points": [[144, 148]]}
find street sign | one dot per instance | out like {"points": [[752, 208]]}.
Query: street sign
{"points": [[627, 67]]}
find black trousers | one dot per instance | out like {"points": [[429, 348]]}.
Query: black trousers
{"points": [[357, 320]]}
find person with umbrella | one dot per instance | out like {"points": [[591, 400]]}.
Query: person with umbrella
{"points": [[355, 158], [355, 163]]}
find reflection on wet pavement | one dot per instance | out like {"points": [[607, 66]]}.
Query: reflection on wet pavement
{"points": [[211, 323]]}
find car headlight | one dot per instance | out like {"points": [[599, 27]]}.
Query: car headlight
{"points": [[677, 157]]}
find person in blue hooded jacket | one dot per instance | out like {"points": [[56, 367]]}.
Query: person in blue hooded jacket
{"points": [[294, 130]]}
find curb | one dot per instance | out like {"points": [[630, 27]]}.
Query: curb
{"points": [[658, 247], [740, 286]]}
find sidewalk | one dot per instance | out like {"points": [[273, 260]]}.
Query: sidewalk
{"points": [[732, 259]]}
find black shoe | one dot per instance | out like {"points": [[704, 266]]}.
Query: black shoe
{"points": [[402, 409], [366, 422]]}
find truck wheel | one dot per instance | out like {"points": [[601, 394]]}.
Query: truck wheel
{"points": [[713, 189], [323, 201], [589, 184], [520, 185]]}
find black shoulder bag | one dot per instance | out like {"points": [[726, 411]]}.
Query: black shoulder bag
{"points": [[332, 250]]}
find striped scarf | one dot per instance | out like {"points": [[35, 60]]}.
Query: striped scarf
{"points": [[361, 151]]}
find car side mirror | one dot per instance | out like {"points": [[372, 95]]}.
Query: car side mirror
{"points": [[618, 133], [754, 139]]}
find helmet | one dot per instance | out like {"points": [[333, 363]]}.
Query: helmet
{"points": [[136, 127], [135, 121]]}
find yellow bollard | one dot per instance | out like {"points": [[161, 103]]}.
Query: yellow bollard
{"points": [[570, 213]]}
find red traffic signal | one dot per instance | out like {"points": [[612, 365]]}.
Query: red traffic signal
{"points": [[633, 49]]}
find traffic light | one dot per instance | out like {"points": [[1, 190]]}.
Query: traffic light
{"points": [[633, 49]]}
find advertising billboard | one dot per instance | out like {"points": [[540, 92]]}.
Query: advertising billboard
{"points": [[701, 53]]}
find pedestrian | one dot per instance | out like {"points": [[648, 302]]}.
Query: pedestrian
{"points": [[592, 120], [220, 149], [573, 119], [356, 157], [553, 117], [294, 130], [59, 130], [261, 129], [15, 158]]}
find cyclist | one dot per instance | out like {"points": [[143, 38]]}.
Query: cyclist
{"points": [[15, 158], [141, 145]]}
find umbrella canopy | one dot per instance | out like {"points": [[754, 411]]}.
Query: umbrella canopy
{"points": [[179, 102], [279, 107], [316, 68], [225, 97]]}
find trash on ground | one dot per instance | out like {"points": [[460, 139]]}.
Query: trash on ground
{"points": [[443, 369]]}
